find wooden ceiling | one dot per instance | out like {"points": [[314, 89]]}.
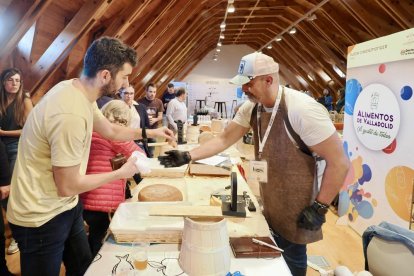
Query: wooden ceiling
{"points": [[47, 39]]}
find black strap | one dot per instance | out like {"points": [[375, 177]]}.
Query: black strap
{"points": [[145, 142], [302, 146]]}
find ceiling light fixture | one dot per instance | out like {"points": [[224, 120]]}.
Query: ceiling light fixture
{"points": [[312, 17], [292, 31], [307, 15], [269, 47], [231, 8]]}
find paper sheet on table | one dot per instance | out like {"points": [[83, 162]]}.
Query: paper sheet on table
{"points": [[213, 161]]}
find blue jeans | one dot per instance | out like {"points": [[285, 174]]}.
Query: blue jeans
{"points": [[294, 255], [43, 248], [11, 150], [389, 232]]}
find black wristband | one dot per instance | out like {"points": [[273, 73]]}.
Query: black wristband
{"points": [[187, 156]]}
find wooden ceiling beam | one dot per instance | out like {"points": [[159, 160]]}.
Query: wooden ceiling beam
{"points": [[56, 53], [362, 21], [308, 65], [16, 21], [285, 57], [122, 21], [141, 25], [247, 20], [179, 49], [400, 15], [163, 45], [335, 18]]}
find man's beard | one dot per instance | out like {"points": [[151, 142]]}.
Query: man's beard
{"points": [[108, 89], [251, 98]]}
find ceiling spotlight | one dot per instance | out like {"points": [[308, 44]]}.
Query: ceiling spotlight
{"points": [[222, 36], [223, 25], [231, 8], [219, 44], [218, 50], [279, 38], [269, 47], [215, 58], [312, 17], [292, 31]]}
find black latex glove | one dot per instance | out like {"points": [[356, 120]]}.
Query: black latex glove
{"points": [[310, 219], [175, 158]]}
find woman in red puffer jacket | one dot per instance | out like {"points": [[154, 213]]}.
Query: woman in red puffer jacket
{"points": [[101, 203]]}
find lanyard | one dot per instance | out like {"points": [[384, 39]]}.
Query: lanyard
{"points": [[269, 126]]}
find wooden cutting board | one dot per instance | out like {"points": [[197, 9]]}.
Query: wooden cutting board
{"points": [[187, 211]]}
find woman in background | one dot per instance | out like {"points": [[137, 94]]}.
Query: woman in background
{"points": [[15, 106], [100, 204]]}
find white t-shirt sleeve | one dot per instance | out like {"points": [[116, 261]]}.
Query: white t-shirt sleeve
{"points": [[310, 121], [244, 114]]}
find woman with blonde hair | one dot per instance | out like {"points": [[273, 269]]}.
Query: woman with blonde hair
{"points": [[15, 106], [100, 204]]}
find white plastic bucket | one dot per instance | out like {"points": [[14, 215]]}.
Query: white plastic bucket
{"points": [[205, 248]]}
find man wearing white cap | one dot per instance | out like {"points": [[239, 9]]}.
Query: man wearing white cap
{"points": [[291, 131]]}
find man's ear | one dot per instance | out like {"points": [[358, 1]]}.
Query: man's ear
{"points": [[269, 80], [105, 76]]}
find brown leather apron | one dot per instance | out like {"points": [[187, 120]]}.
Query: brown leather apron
{"points": [[290, 186]]}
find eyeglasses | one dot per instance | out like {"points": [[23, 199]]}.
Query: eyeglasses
{"points": [[129, 93]]}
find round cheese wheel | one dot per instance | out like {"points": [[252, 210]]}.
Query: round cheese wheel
{"points": [[160, 192]]}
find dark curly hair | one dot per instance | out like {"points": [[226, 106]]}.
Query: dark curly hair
{"points": [[107, 53]]}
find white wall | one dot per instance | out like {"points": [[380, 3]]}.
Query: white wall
{"points": [[212, 77]]}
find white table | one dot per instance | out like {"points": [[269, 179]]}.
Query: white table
{"points": [[163, 258]]}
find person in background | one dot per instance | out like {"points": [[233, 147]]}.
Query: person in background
{"points": [[155, 109], [4, 193], [293, 206], [341, 100], [177, 110], [328, 99], [44, 211], [15, 106], [168, 95], [139, 115], [100, 204]]}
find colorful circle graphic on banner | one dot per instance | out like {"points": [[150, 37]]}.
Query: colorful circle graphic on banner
{"points": [[406, 93], [353, 88], [398, 189], [376, 117]]}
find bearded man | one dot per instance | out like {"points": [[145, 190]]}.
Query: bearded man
{"points": [[44, 210]]}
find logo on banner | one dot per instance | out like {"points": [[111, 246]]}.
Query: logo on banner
{"points": [[376, 117]]}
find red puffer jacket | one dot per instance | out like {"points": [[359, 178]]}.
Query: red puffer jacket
{"points": [[107, 197]]}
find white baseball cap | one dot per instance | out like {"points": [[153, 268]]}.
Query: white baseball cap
{"points": [[253, 65]]}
